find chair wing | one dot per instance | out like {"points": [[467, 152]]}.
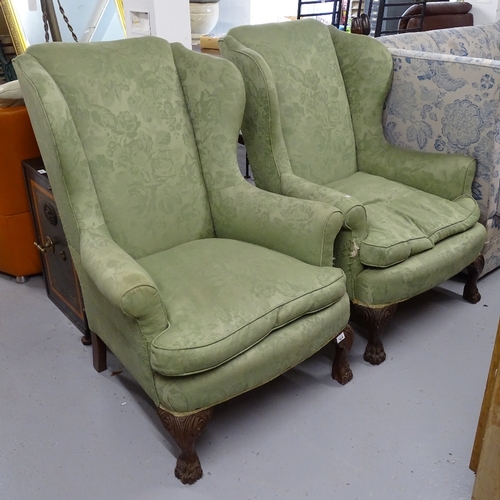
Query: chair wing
{"points": [[126, 128], [274, 56]]}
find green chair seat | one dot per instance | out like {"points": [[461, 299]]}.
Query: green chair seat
{"points": [[404, 221], [208, 289]]}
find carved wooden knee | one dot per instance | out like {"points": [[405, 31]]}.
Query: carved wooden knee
{"points": [[185, 431], [376, 321]]}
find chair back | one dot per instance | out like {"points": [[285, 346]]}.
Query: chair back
{"points": [[115, 133], [301, 78]]}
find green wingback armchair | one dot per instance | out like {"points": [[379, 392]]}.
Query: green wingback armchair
{"points": [[202, 285], [313, 130]]}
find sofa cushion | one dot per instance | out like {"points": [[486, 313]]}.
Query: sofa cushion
{"points": [[403, 221], [224, 296]]}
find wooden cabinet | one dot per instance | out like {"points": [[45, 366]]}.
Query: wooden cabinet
{"points": [[62, 283], [485, 460]]}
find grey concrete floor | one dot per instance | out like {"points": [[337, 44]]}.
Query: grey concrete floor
{"points": [[399, 431]]}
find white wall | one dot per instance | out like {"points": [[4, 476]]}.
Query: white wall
{"points": [[264, 11], [237, 12], [82, 16], [232, 13], [169, 19], [485, 11]]}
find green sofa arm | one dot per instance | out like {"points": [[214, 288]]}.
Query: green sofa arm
{"points": [[120, 278], [353, 211], [445, 175], [302, 229]]}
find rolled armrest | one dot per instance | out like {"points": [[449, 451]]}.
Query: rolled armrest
{"points": [[353, 211], [302, 229], [119, 277], [471, 41]]}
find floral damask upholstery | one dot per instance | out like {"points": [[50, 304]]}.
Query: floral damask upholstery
{"points": [[313, 130], [202, 285], [445, 97]]}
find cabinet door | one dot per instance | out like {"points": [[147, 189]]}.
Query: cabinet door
{"points": [[485, 460], [63, 287]]}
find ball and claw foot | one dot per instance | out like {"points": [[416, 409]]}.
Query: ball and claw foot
{"points": [[374, 354], [375, 320], [342, 375], [188, 471], [471, 293], [341, 371], [472, 296]]}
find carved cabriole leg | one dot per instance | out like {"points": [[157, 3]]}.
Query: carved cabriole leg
{"points": [[185, 431], [471, 293], [376, 321], [341, 371], [98, 353]]}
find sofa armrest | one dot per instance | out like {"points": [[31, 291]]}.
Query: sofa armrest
{"points": [[448, 104], [353, 211], [120, 278], [302, 229], [447, 176], [437, 15], [471, 41]]}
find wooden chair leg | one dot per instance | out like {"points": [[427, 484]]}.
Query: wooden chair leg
{"points": [[376, 321], [185, 431], [98, 353], [341, 371], [471, 293], [86, 339]]}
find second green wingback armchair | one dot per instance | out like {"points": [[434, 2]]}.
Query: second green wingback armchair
{"points": [[313, 130], [202, 285]]}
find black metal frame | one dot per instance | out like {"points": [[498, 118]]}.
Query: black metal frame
{"points": [[335, 10], [376, 11], [9, 73]]}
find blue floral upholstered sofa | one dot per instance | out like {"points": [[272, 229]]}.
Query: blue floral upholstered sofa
{"points": [[445, 97]]}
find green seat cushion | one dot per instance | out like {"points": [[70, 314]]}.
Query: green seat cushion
{"points": [[224, 296], [404, 221]]}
